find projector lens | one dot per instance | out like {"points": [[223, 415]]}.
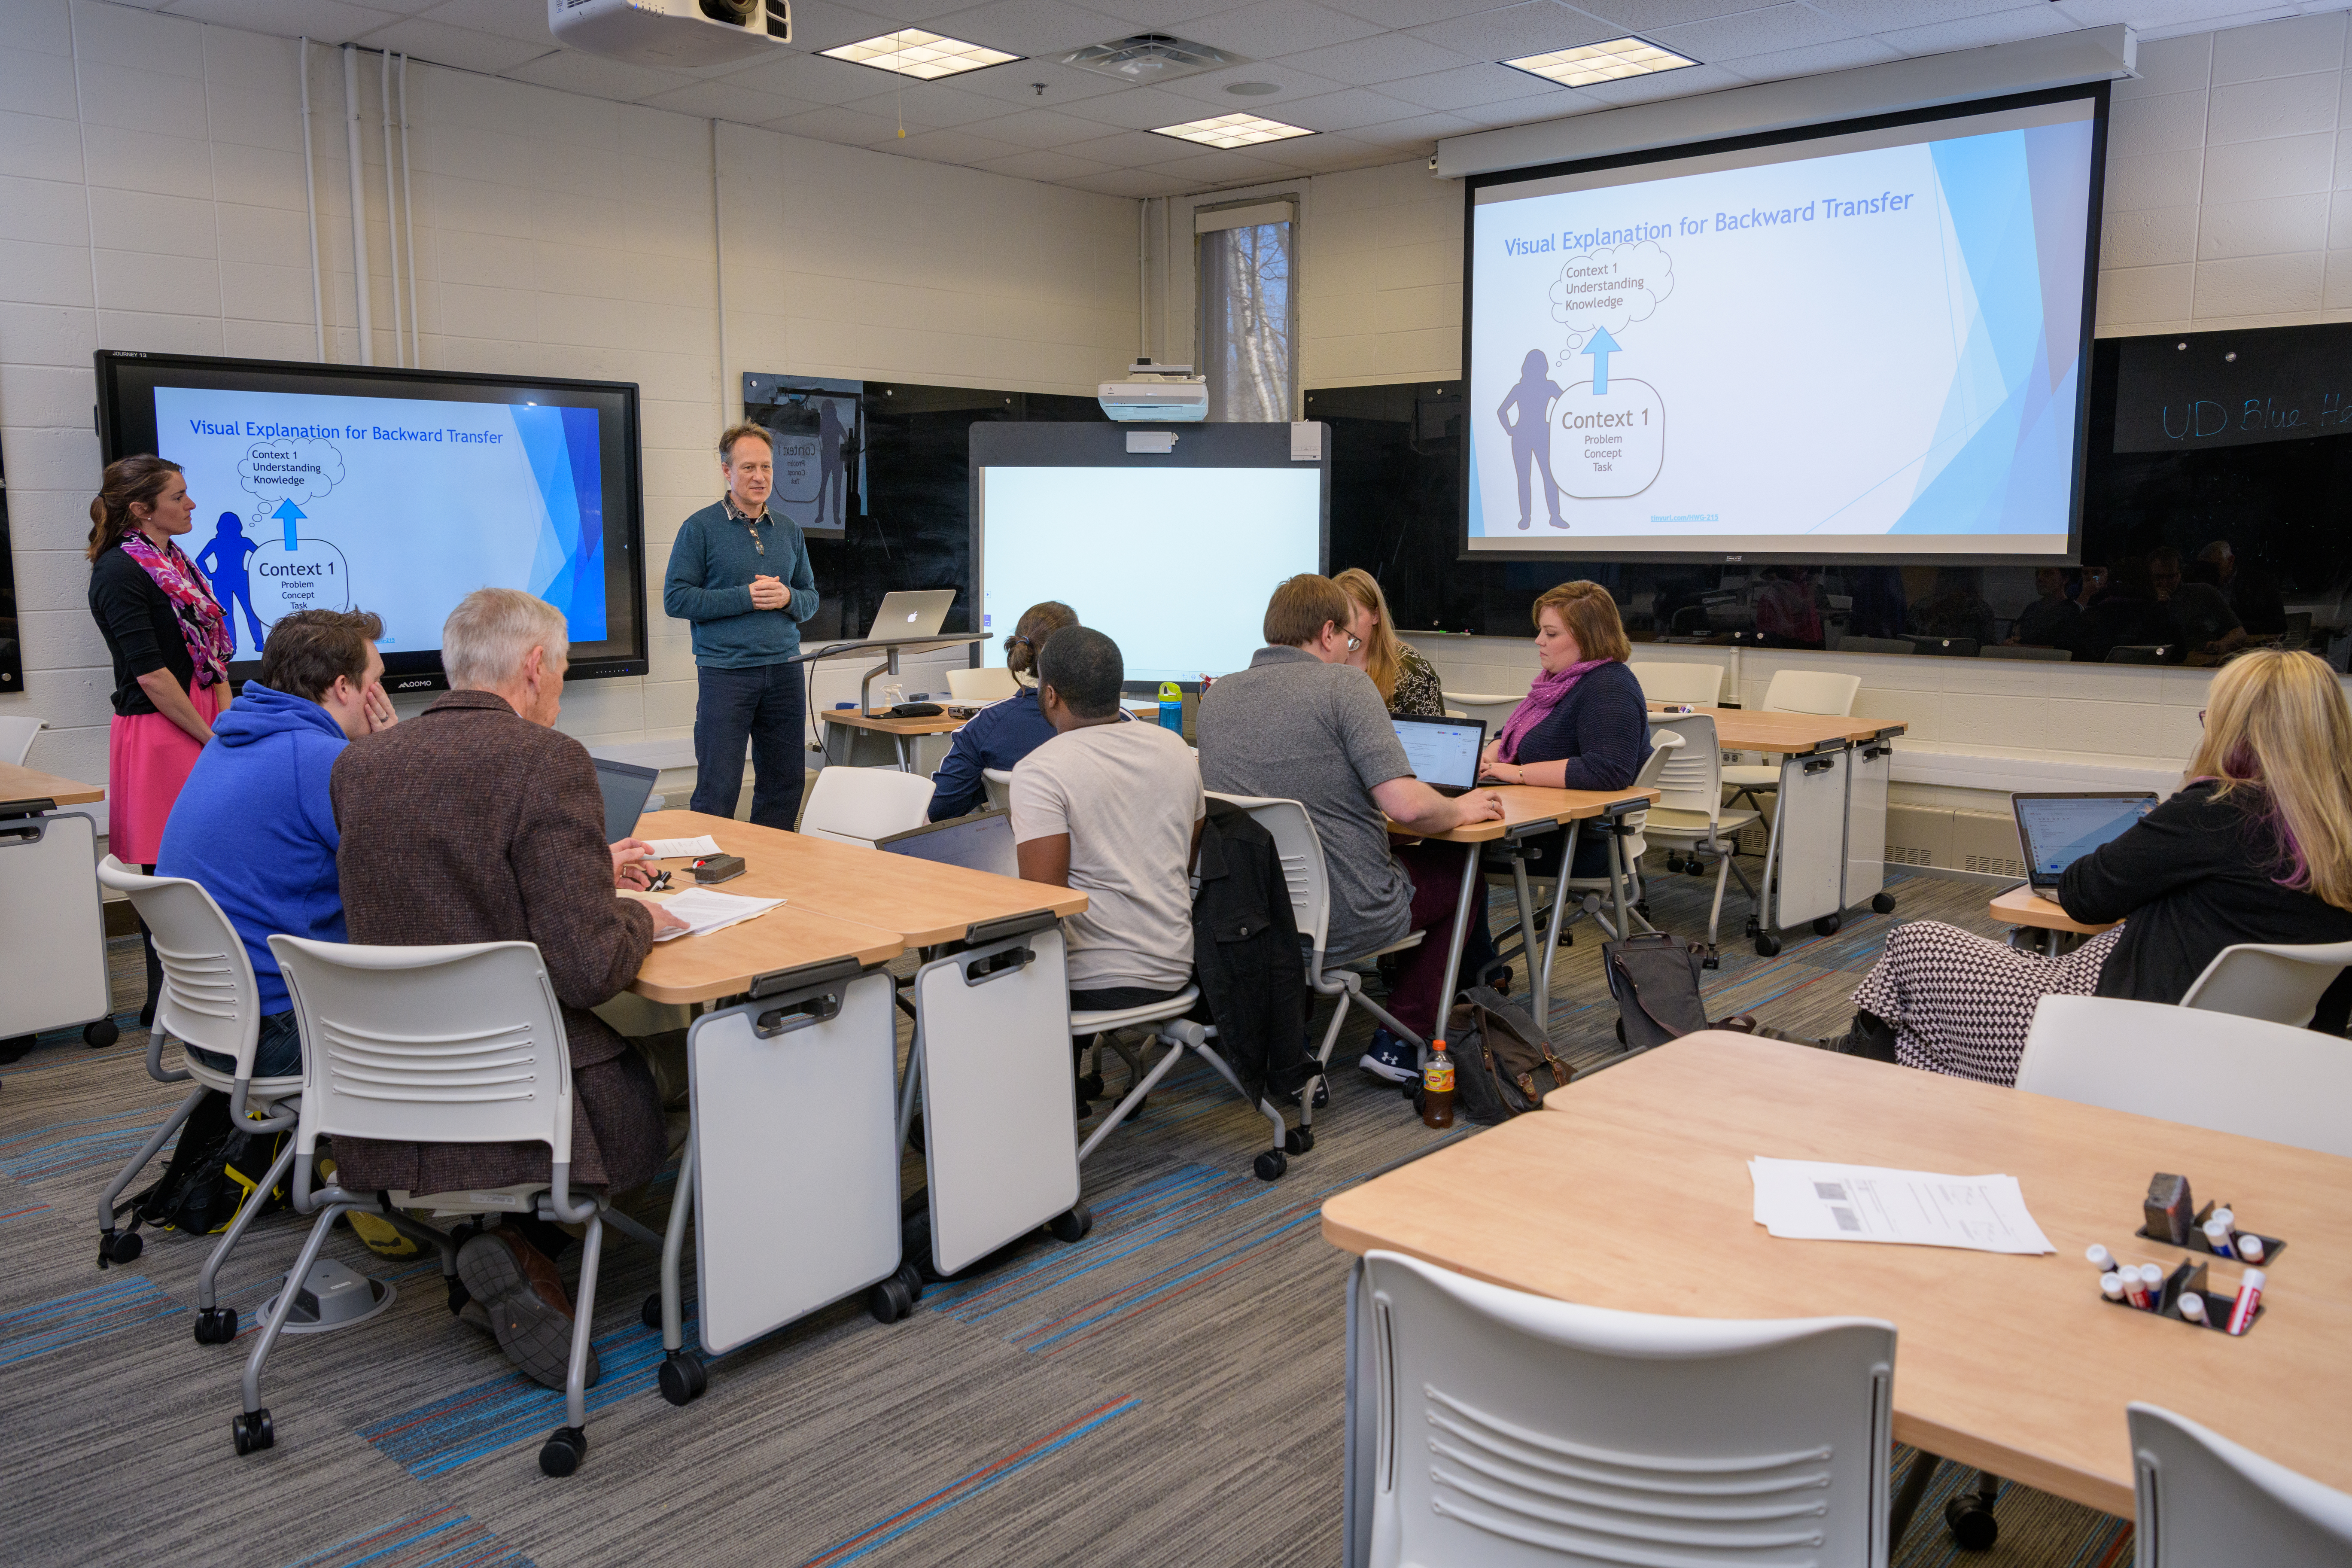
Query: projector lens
{"points": [[733, 12]]}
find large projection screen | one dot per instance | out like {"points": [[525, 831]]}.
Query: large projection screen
{"points": [[1862, 341], [1171, 554]]}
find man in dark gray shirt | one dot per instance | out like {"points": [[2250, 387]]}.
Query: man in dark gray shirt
{"points": [[1300, 723]]}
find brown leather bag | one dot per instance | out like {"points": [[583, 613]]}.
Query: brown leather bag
{"points": [[1503, 1064]]}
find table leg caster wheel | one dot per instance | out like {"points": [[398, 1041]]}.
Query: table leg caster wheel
{"points": [[1073, 1225], [118, 1247], [682, 1378], [252, 1432], [1090, 1087], [14, 1047], [1674, 862], [1695, 868], [1883, 904], [1298, 1140], [1621, 1031], [1270, 1165], [649, 1314], [889, 1299], [1828, 925], [1767, 944], [1973, 1526], [215, 1325], [101, 1034], [915, 1244], [561, 1453]]}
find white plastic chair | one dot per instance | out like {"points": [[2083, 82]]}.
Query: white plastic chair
{"points": [[1493, 708], [991, 684], [1822, 692], [2246, 1076], [1679, 682], [1690, 817], [209, 1000], [1513, 1429], [460, 1044], [997, 784], [1169, 1025], [858, 806], [17, 738], [2201, 1500], [2282, 983]]}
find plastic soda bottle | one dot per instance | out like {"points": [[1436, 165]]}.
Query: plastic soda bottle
{"points": [[1437, 1088], [1172, 706]]}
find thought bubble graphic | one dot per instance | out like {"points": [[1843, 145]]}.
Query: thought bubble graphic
{"points": [[280, 472], [1609, 286]]}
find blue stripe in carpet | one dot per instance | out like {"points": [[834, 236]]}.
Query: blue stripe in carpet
{"points": [[442, 1538], [122, 1302], [473, 1423]]}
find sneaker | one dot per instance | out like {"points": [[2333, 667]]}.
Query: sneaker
{"points": [[1388, 1057], [517, 1286]]}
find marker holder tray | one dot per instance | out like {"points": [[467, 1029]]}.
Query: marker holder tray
{"points": [[2272, 1245], [2191, 1276]]}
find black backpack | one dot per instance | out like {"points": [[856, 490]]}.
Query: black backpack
{"points": [[1654, 979], [1503, 1064], [215, 1168]]}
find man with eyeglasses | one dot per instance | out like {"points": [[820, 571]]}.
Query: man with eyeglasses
{"points": [[741, 575]]}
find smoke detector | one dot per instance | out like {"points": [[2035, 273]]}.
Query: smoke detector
{"points": [[1148, 58]]}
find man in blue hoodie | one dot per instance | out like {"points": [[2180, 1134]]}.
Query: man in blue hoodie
{"points": [[254, 825]]}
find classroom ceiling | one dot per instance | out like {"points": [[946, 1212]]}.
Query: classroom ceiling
{"points": [[1377, 80]]}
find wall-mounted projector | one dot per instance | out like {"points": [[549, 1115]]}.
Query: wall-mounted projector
{"points": [[672, 32], [1165, 393]]}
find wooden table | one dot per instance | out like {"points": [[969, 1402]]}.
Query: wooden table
{"points": [[2019, 907], [1528, 812], [726, 962], [903, 732], [23, 783], [2012, 1364]]}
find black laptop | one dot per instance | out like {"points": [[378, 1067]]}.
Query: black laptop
{"points": [[626, 787]]}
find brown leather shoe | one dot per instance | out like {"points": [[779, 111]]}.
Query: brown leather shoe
{"points": [[520, 1288]]}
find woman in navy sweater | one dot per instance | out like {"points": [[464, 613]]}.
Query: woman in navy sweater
{"points": [[1583, 725], [1005, 731]]}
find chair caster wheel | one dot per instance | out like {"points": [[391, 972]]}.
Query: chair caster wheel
{"points": [[561, 1453], [1695, 868], [101, 1034], [1973, 1526], [1410, 1089], [682, 1379], [215, 1325], [889, 1299], [1298, 1140], [118, 1247], [1767, 944], [1270, 1165], [650, 1313], [1828, 925], [14, 1047], [1072, 1225], [1713, 960], [1883, 904], [915, 1245], [1090, 1087], [252, 1431], [1674, 862]]}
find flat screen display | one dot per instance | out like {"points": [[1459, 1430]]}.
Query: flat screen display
{"points": [[1865, 341], [342, 486]]}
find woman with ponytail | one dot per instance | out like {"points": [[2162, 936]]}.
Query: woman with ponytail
{"points": [[171, 648], [1005, 731], [2255, 846]]}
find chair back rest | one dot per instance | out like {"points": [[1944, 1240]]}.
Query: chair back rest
{"points": [[210, 998], [1664, 744], [998, 783], [1300, 849], [17, 734], [1515, 1429], [858, 806], [462, 1044], [2203, 1499], [1690, 777], [2246, 1076], [2281, 984], [1680, 682], [989, 685], [1813, 692]]}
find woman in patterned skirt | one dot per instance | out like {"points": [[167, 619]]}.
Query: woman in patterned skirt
{"points": [[2256, 846]]}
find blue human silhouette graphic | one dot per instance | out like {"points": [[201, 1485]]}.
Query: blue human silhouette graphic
{"points": [[1531, 435], [222, 561], [832, 481]]}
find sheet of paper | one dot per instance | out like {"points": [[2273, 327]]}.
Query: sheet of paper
{"points": [[1306, 440], [704, 910], [1806, 1200], [683, 848]]}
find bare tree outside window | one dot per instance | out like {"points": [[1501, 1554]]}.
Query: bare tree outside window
{"points": [[1246, 320]]}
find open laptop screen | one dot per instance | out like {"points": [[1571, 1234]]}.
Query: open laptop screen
{"points": [[983, 842], [2060, 829], [1444, 752], [626, 787]]}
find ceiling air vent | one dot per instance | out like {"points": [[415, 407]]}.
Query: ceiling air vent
{"points": [[1148, 56]]}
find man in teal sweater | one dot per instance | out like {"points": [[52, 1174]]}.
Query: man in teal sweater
{"points": [[741, 575]]}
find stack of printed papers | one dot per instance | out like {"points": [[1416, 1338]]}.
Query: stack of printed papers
{"points": [[683, 848], [704, 910], [1805, 1200]]}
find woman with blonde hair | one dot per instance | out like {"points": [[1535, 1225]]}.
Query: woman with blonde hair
{"points": [[1406, 681], [2256, 846], [1005, 731]]}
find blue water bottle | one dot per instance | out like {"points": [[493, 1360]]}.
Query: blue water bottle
{"points": [[1172, 706]]}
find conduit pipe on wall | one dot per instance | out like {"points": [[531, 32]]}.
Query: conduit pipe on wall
{"points": [[311, 206], [718, 270], [408, 214], [391, 202], [360, 283]]}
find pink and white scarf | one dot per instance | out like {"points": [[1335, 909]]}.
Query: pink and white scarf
{"points": [[203, 626]]}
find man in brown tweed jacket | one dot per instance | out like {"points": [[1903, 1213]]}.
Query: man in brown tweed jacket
{"points": [[479, 822]]}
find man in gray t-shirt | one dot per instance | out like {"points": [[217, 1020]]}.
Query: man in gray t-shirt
{"points": [[1302, 724]]}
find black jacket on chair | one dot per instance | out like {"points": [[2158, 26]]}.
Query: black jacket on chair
{"points": [[1245, 951]]}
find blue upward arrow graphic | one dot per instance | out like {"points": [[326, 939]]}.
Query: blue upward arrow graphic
{"points": [[1602, 346], [289, 514]]}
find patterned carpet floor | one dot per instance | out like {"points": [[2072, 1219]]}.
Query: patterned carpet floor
{"points": [[1167, 1391]]}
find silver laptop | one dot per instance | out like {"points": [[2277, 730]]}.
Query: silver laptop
{"points": [[912, 615], [1444, 752], [2056, 830], [981, 842]]}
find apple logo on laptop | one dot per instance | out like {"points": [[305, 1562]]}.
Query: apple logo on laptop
{"points": [[910, 618]]}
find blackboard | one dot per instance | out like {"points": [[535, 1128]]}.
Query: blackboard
{"points": [[2205, 390]]}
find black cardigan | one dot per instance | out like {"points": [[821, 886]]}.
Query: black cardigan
{"points": [[2194, 875], [141, 630], [1601, 728]]}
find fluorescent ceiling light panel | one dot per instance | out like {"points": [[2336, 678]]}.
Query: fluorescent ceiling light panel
{"points": [[1230, 130], [913, 52], [1611, 61]]}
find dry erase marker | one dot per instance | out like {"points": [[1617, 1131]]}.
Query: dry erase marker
{"points": [[2249, 1246], [2101, 1258], [2224, 1215], [2217, 1236], [2134, 1290], [2111, 1285], [2250, 1296], [2192, 1307]]}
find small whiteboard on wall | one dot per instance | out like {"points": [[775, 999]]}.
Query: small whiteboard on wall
{"points": [[1171, 554]]}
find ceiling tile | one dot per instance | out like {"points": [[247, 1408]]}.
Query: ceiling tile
{"points": [[2094, 12], [945, 146], [1014, 85], [1429, 128], [1887, 15], [1213, 168], [1687, 82], [1209, 87], [2144, 15], [933, 105], [1844, 54], [1414, 13], [825, 24], [1975, 32], [1327, 154], [1368, 62], [520, 19], [1044, 127], [850, 126], [1159, 16], [1031, 27], [598, 78], [1346, 110], [1130, 183], [807, 78], [1768, 31], [1562, 105], [326, 21], [1515, 30], [1266, 30], [1139, 109], [1645, 17], [903, 13], [1468, 85], [1125, 149], [721, 100], [1052, 167], [461, 47]]}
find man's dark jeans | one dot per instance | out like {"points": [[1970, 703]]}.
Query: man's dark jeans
{"points": [[766, 705]]}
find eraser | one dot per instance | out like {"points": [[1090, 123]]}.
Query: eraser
{"points": [[2169, 1209], [718, 868]]}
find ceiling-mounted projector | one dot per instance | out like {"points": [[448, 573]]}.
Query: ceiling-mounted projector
{"points": [[671, 32], [1164, 393]]}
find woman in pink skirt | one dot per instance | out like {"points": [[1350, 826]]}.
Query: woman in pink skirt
{"points": [[170, 647]]}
